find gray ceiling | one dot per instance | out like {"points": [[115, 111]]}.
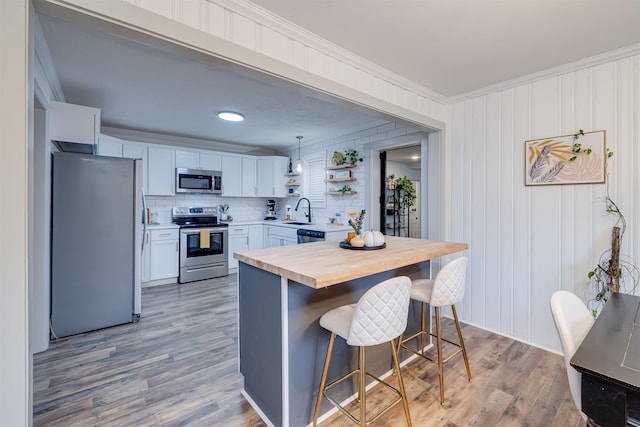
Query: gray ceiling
{"points": [[145, 89]]}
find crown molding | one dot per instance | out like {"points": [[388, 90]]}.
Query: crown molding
{"points": [[592, 61], [265, 17]]}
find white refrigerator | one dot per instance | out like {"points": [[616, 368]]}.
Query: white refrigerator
{"points": [[96, 242]]}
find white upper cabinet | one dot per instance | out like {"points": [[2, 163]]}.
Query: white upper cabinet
{"points": [[187, 159], [280, 167], [211, 162], [134, 150], [271, 179], [198, 160], [249, 176], [231, 175], [161, 171], [110, 146], [74, 123]]}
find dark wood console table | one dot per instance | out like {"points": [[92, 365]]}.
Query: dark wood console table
{"points": [[609, 360]]}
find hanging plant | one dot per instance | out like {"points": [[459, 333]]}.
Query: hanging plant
{"points": [[612, 273]]}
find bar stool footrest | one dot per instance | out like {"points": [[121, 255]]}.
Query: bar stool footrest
{"points": [[346, 412]]}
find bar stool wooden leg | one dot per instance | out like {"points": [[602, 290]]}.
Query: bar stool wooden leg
{"points": [[440, 362], [464, 350], [362, 384], [323, 381], [396, 365]]}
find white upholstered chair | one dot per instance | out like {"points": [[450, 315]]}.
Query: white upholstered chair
{"points": [[446, 290], [573, 320], [379, 316]]}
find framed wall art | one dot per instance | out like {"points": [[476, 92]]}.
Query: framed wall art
{"points": [[569, 159]]}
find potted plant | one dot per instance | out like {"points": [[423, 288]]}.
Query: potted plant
{"points": [[345, 189], [407, 196], [352, 156]]}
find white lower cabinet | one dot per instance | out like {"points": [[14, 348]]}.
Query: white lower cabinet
{"points": [[255, 236], [238, 241], [275, 236], [163, 253], [243, 237]]}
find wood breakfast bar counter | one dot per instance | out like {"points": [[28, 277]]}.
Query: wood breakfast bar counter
{"points": [[283, 292]]}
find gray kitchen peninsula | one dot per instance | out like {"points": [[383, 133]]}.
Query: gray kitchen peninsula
{"points": [[283, 292]]}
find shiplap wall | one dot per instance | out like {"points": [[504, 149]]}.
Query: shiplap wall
{"points": [[527, 242]]}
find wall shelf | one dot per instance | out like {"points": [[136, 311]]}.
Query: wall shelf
{"points": [[338, 193], [292, 174], [345, 166], [341, 179]]}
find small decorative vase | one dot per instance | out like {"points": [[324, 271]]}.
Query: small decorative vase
{"points": [[350, 235], [357, 241]]}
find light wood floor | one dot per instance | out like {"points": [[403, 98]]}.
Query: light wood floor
{"points": [[178, 367]]}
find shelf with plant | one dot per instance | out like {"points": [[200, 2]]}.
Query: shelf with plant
{"points": [[346, 189], [349, 159], [292, 184], [293, 194], [292, 174]]}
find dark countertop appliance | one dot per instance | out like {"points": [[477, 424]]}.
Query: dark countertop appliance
{"points": [[308, 236], [271, 209], [203, 243]]}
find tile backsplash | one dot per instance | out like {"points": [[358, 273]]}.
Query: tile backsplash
{"points": [[240, 208]]}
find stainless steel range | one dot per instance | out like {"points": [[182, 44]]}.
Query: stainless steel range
{"points": [[203, 243]]}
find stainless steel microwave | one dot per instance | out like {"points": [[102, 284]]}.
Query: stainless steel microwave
{"points": [[198, 181]]}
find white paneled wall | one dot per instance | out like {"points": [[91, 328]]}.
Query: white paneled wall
{"points": [[527, 242], [252, 27]]}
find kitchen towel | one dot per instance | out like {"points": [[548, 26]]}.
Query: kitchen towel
{"points": [[205, 238]]}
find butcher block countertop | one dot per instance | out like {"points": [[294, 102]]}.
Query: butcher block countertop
{"points": [[322, 264]]}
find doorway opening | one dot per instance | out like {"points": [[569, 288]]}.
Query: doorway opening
{"points": [[400, 177]]}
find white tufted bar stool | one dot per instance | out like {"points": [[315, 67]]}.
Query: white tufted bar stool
{"points": [[379, 316], [446, 289]]}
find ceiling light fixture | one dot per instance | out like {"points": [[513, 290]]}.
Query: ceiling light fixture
{"points": [[299, 162], [231, 116], [415, 157]]}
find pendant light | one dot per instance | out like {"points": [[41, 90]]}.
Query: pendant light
{"points": [[299, 162]]}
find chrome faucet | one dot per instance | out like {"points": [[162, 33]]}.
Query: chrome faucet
{"points": [[308, 214]]}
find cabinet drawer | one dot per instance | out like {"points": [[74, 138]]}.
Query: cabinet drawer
{"points": [[238, 230], [168, 234]]}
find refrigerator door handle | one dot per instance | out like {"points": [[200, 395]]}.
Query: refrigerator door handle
{"points": [[144, 219]]}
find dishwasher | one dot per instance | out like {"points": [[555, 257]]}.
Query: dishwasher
{"points": [[308, 236]]}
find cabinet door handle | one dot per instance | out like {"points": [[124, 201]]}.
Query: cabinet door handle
{"points": [[164, 235], [247, 240], [146, 239], [177, 246], [172, 189]]}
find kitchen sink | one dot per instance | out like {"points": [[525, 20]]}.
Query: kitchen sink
{"points": [[297, 223]]}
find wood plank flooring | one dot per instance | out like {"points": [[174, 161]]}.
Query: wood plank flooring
{"points": [[178, 367]]}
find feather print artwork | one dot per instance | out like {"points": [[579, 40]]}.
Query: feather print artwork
{"points": [[561, 160]]}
